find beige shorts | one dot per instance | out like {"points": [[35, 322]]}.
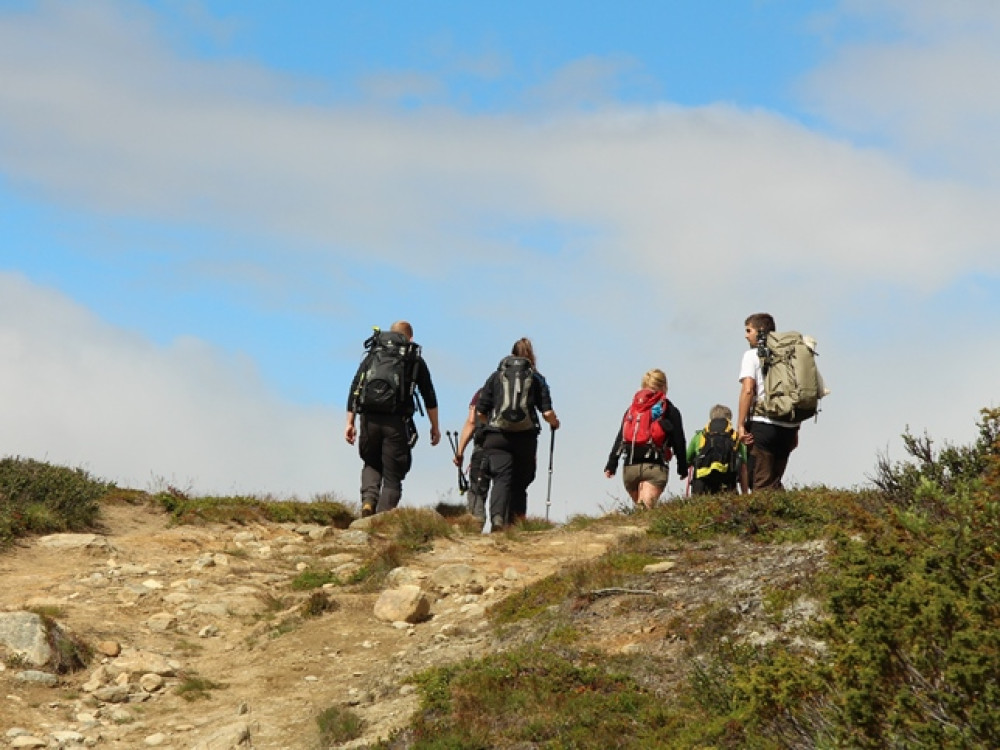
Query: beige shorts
{"points": [[655, 474]]}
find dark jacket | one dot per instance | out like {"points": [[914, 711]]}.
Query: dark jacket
{"points": [[673, 426]]}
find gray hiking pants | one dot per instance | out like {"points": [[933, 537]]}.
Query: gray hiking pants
{"points": [[383, 447], [512, 467]]}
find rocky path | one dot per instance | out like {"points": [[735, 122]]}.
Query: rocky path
{"points": [[164, 607]]}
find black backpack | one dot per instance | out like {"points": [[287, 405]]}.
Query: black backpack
{"points": [[388, 373], [718, 452], [513, 410]]}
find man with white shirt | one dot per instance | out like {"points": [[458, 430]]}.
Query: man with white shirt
{"points": [[769, 441]]}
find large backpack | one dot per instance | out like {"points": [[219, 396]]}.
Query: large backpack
{"points": [[513, 410], [640, 429], [793, 386], [388, 373], [718, 452]]}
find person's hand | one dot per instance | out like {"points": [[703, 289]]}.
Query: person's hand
{"points": [[435, 436], [745, 436], [608, 473], [350, 433], [457, 460]]}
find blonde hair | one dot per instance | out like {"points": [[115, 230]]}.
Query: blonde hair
{"points": [[655, 379]]}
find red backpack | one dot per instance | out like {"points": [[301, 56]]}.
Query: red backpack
{"points": [[639, 429]]}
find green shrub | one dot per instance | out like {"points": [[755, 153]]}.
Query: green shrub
{"points": [[338, 725], [531, 697], [313, 578], [247, 509], [193, 687], [413, 529], [40, 498]]}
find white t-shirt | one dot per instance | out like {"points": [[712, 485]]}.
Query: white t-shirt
{"points": [[750, 368]]}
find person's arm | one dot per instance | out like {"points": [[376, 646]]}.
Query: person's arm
{"points": [[350, 433], [467, 431], [692, 449], [426, 387], [615, 456], [545, 402], [484, 404], [432, 415], [748, 389], [677, 441]]}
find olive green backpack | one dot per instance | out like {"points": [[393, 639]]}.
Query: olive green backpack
{"points": [[793, 386]]}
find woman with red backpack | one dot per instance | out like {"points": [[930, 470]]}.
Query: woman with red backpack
{"points": [[651, 432]]}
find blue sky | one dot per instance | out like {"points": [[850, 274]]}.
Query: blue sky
{"points": [[205, 206]]}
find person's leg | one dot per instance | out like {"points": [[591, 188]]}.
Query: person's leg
{"points": [[396, 460], [479, 484], [764, 475], [370, 450], [771, 446], [501, 467], [653, 480], [524, 456], [630, 479]]}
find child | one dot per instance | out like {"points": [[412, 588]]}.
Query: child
{"points": [[716, 455]]}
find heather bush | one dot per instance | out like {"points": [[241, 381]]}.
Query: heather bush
{"points": [[39, 498]]}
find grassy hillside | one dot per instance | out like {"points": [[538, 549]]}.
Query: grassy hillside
{"points": [[905, 651], [901, 647]]}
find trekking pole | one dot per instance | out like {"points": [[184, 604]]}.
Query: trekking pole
{"points": [[548, 493], [687, 488], [463, 483]]}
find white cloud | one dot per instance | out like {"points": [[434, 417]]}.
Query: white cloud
{"points": [[925, 84], [181, 140], [82, 393]]}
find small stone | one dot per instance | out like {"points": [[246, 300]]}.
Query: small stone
{"points": [[109, 648]]}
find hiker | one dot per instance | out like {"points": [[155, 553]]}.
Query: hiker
{"points": [[510, 402], [479, 478], [651, 432], [769, 441], [382, 392], [716, 456]]}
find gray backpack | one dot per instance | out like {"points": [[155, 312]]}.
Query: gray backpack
{"points": [[793, 386], [514, 410]]}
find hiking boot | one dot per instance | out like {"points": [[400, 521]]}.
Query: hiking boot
{"points": [[367, 509], [497, 523]]}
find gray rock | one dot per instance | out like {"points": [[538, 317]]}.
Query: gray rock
{"points": [[142, 662], [403, 604], [73, 541], [458, 576], [27, 740], [37, 677], [228, 738], [28, 637], [112, 694]]}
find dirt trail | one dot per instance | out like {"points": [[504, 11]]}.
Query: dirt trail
{"points": [[217, 601]]}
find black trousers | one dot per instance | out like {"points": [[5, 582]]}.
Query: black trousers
{"points": [[772, 445], [713, 484], [479, 483], [512, 467], [385, 450]]}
